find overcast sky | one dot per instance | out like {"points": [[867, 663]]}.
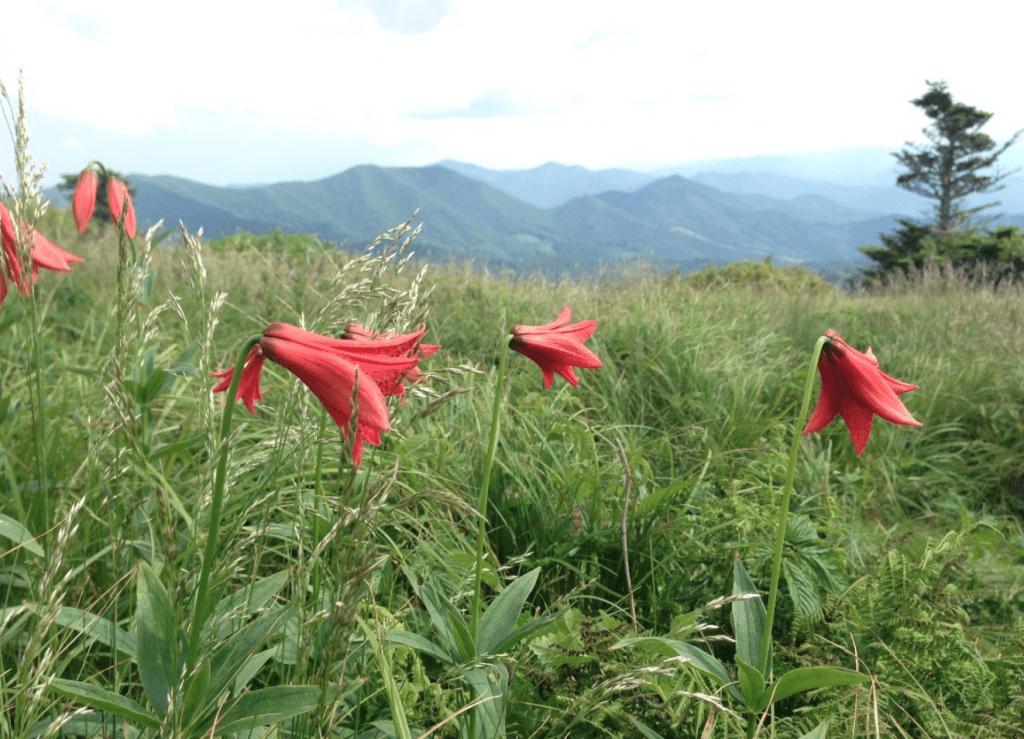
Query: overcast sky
{"points": [[238, 92]]}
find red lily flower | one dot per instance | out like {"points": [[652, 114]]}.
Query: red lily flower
{"points": [[853, 387], [395, 345], [404, 344], [83, 202], [557, 347], [328, 368], [120, 200], [45, 254]]}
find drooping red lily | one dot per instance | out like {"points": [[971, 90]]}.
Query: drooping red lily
{"points": [[329, 368], [44, 255], [852, 386], [120, 200], [557, 346], [395, 345], [83, 202], [401, 344]]}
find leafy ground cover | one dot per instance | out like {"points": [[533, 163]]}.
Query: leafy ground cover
{"points": [[164, 575]]}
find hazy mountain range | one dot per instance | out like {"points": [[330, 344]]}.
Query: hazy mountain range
{"points": [[566, 216]]}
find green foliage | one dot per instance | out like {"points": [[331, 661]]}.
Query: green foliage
{"points": [[275, 243], [700, 384], [978, 257], [763, 275]]}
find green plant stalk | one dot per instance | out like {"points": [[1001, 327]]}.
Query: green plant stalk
{"points": [[492, 446], [787, 491], [394, 697], [41, 503], [201, 609]]}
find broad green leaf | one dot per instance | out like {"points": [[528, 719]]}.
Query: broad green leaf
{"points": [[489, 683], [195, 695], [186, 444], [96, 627], [499, 620], [651, 502], [183, 365], [408, 639], [155, 385], [157, 639], [436, 610], [701, 660], [751, 684], [229, 657], [264, 706], [85, 724], [16, 532], [809, 678], [451, 625], [252, 666], [463, 639], [104, 700], [644, 729], [245, 602], [818, 732], [748, 617]]}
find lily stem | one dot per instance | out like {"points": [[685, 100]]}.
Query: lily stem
{"points": [[201, 610], [492, 446], [787, 491]]}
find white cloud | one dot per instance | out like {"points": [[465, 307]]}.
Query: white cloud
{"points": [[503, 84]]}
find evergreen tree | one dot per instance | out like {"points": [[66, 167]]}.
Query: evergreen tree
{"points": [[951, 167], [948, 170]]}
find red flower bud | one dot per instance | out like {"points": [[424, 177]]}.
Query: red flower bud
{"points": [[120, 201], [83, 202]]}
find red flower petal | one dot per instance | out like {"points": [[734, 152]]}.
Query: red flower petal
{"points": [[249, 385], [10, 246], [120, 201], [83, 202], [332, 380]]}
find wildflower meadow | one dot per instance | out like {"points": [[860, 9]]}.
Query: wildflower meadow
{"points": [[257, 486]]}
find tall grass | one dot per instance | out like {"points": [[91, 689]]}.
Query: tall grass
{"points": [[905, 563]]}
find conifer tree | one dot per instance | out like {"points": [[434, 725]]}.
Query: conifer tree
{"points": [[952, 166], [948, 170]]}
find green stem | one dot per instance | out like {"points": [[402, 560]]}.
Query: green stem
{"points": [[787, 491], [391, 691], [201, 609], [41, 501], [492, 446]]}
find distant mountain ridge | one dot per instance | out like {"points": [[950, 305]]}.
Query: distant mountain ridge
{"points": [[677, 221], [553, 215], [552, 184], [865, 192]]}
